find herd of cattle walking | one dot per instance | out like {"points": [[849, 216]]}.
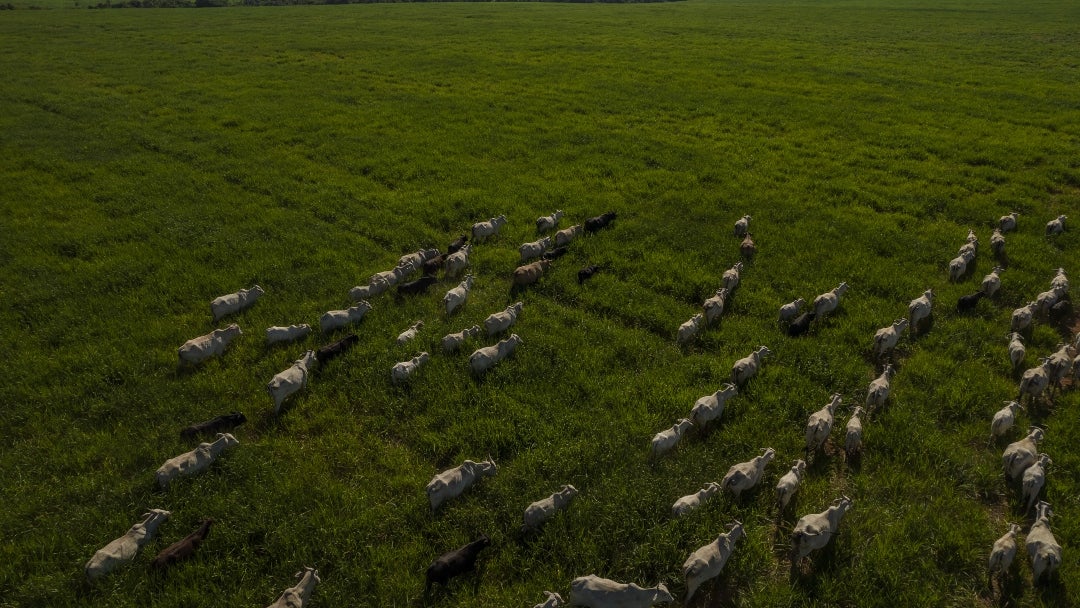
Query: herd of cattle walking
{"points": [[1021, 459]]}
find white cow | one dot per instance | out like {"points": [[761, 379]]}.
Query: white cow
{"points": [[731, 277], [548, 222], [853, 433], [710, 407], [1001, 556], [742, 226], [747, 367], [595, 592], [997, 242], [402, 371], [1035, 380], [287, 334], [234, 302], [1060, 280], [789, 484], [958, 265], [213, 344], [298, 596], [1019, 455], [1016, 349], [820, 424], [534, 249], [565, 236], [502, 320], [714, 306], [410, 334], [194, 461], [487, 357], [124, 549], [1033, 480], [1008, 222], [553, 600], [920, 308], [457, 261], [457, 296], [1042, 547], [1056, 225], [452, 482], [1021, 317], [690, 502], [814, 531], [373, 288], [416, 260], [829, 301], [991, 283], [885, 339], [1004, 419], [745, 475], [665, 440], [334, 319], [488, 228], [452, 342], [690, 329], [707, 562], [878, 392], [1045, 300], [292, 379], [542, 510], [790, 310]]}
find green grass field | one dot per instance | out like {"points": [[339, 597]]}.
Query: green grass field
{"points": [[152, 160]]}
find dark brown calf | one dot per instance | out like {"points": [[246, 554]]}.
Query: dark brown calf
{"points": [[416, 287], [601, 221], [222, 424], [556, 253], [457, 244], [456, 562], [182, 549], [586, 273], [335, 349]]}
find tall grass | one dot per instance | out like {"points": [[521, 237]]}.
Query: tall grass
{"points": [[153, 160]]}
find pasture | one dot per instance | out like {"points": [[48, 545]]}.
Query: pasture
{"points": [[151, 160]]}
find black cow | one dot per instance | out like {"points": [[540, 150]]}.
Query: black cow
{"points": [[457, 562], [801, 325], [416, 287], [457, 244], [556, 253], [966, 303], [183, 548], [601, 221], [434, 265], [586, 273], [335, 349], [222, 424]]}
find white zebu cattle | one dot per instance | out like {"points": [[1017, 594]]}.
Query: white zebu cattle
{"points": [[565, 236], [542, 510], [124, 549], [457, 296], [595, 592], [710, 407], [234, 302], [1035, 380], [1016, 349], [730, 278], [747, 367], [452, 482], [292, 379], [487, 357], [548, 222], [1042, 547], [829, 301], [298, 596], [690, 329], [401, 372], [534, 249], [457, 261], [452, 342], [1060, 281], [502, 320], [1004, 419], [958, 265], [820, 424], [920, 308], [885, 339], [878, 391], [1056, 225], [554, 600], [790, 310], [334, 319], [789, 484], [991, 283], [416, 260], [690, 502], [1008, 222], [745, 475], [853, 433], [291, 333], [197, 350], [714, 306], [742, 225], [1021, 317], [194, 461], [665, 440], [997, 242], [814, 531], [1020, 455], [488, 228], [410, 334], [707, 562], [1033, 480], [1001, 556]]}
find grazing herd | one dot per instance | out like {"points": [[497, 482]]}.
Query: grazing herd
{"points": [[1021, 460]]}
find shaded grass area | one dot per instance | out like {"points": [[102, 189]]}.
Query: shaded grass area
{"points": [[153, 160]]}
